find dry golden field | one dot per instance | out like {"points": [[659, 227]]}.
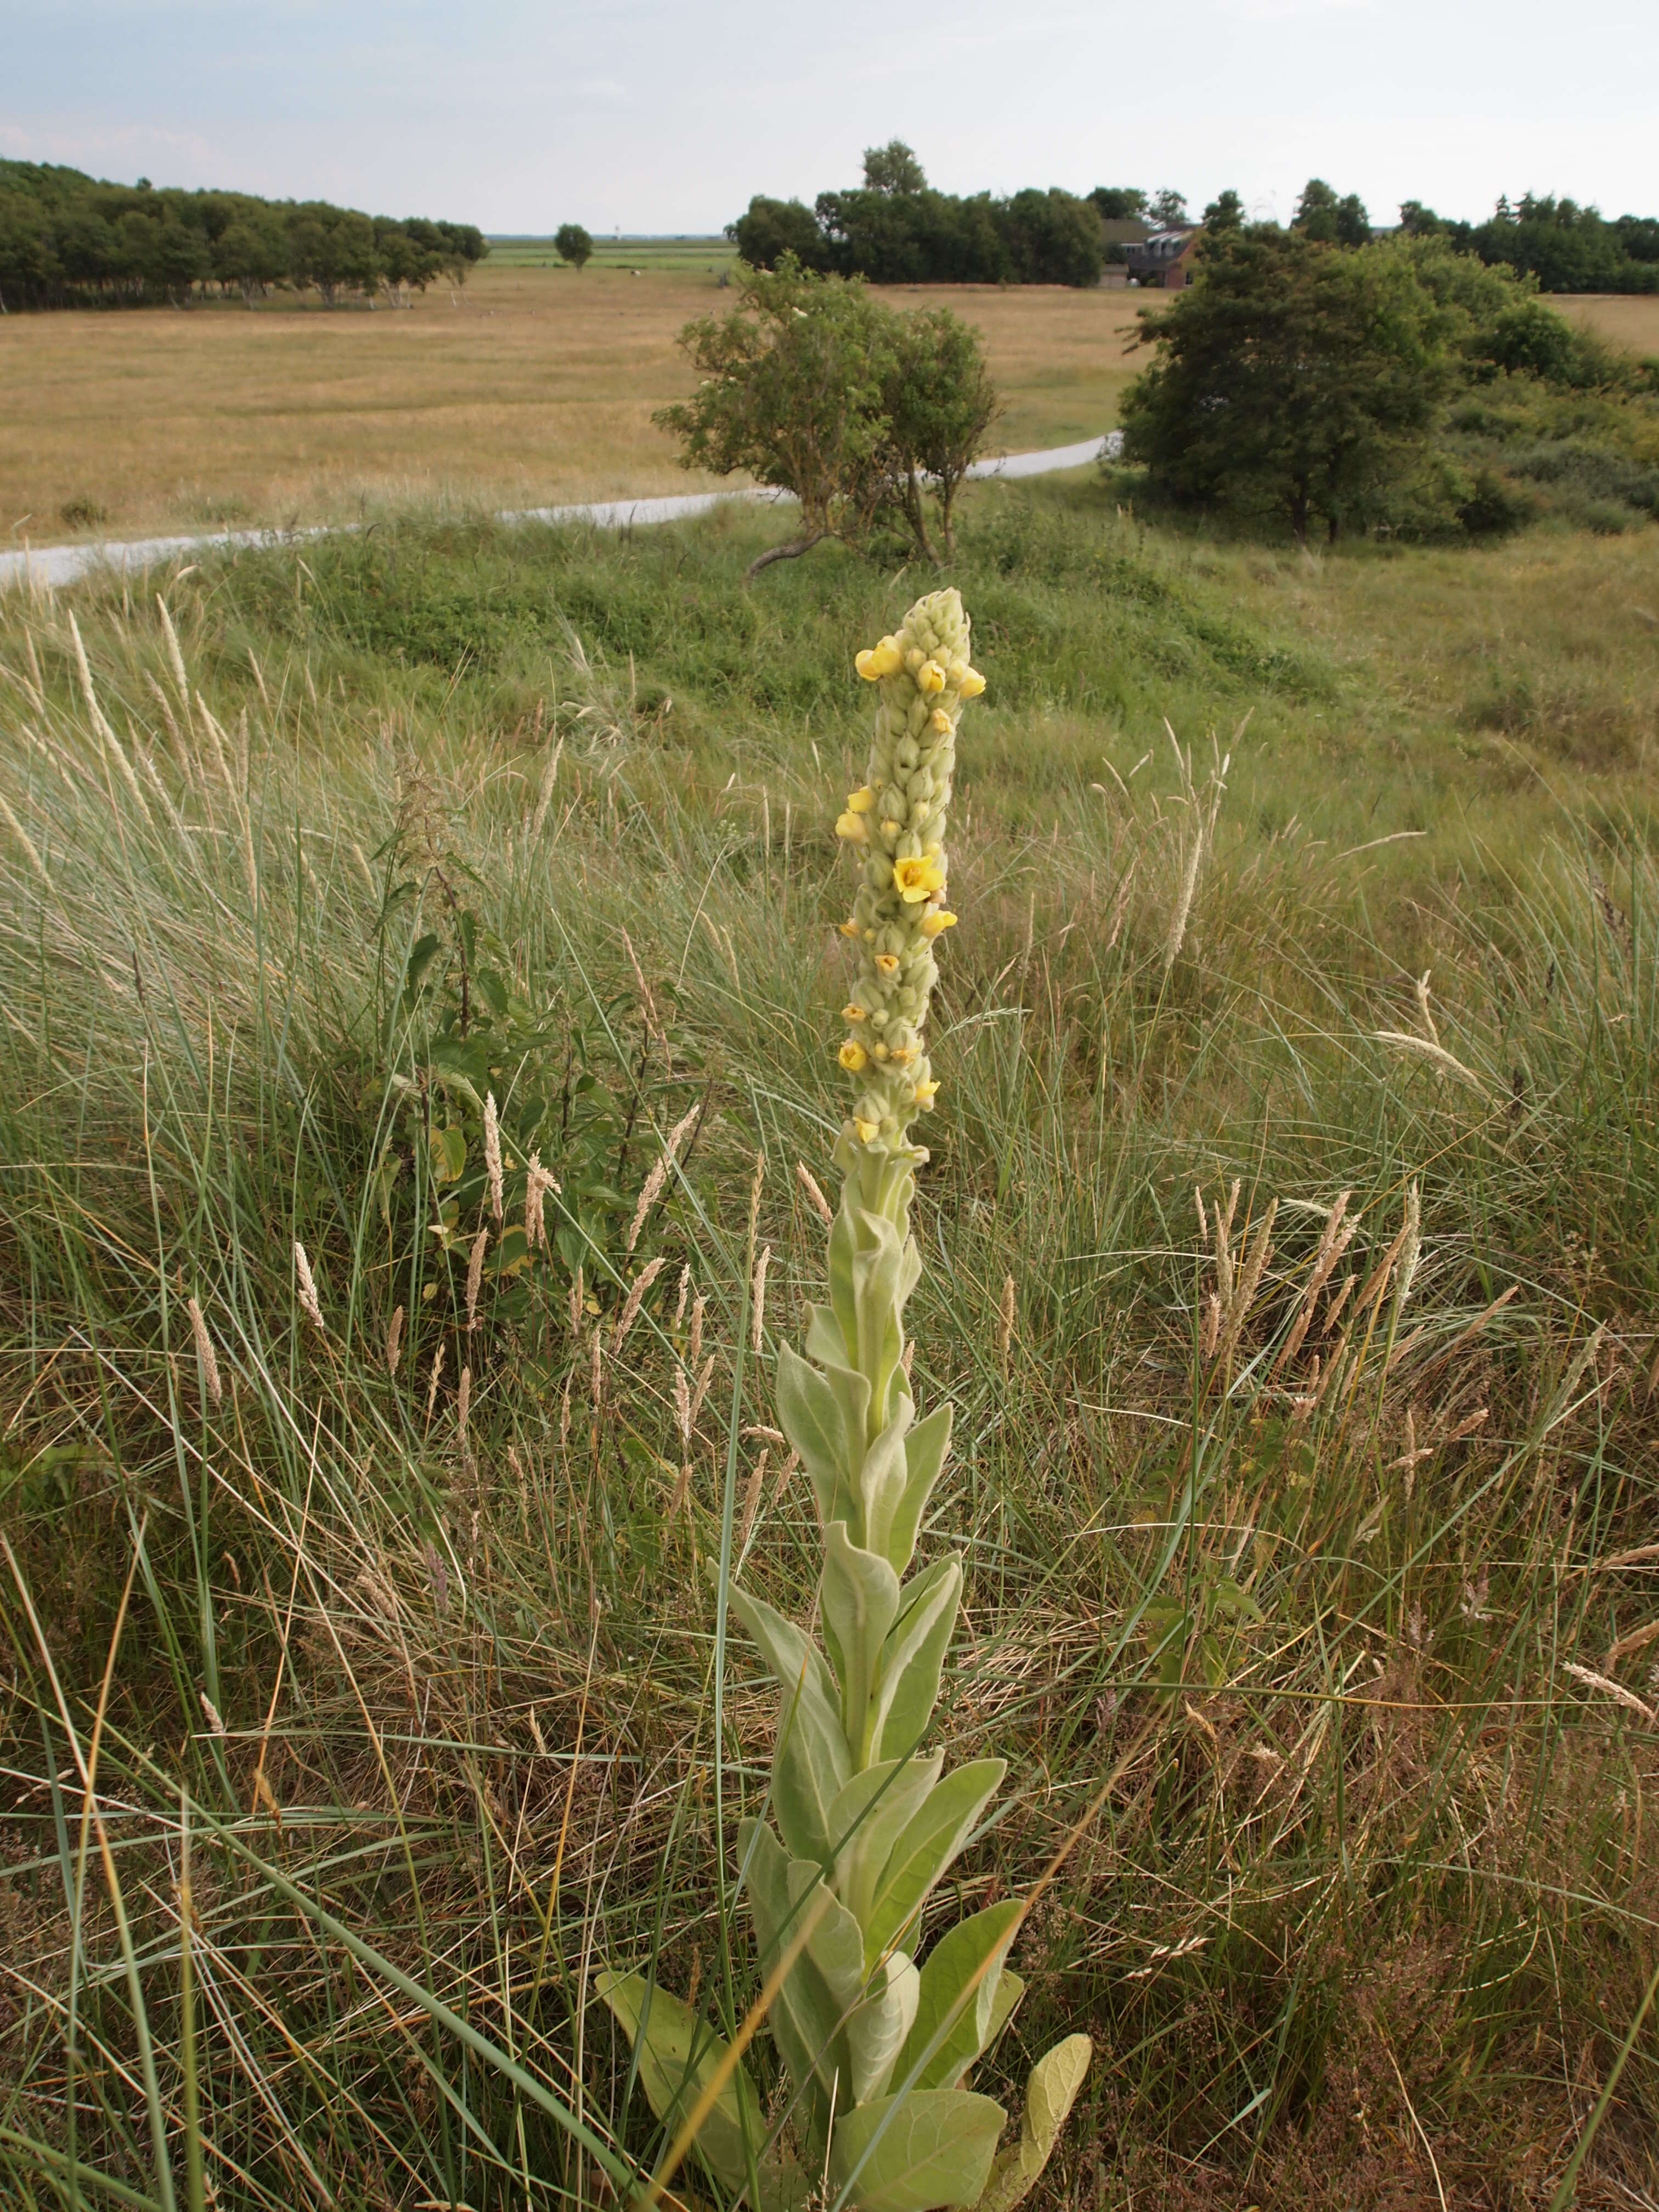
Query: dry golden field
{"points": [[531, 385], [1624, 319]]}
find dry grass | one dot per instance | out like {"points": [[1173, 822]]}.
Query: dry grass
{"points": [[1626, 318], [534, 384], [1370, 1910]]}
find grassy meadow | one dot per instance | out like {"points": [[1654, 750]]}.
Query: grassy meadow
{"points": [[358, 1672], [532, 387]]}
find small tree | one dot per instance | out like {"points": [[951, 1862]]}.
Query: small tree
{"points": [[572, 244], [1292, 377], [793, 384], [939, 403]]}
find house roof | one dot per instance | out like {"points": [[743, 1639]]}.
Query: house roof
{"points": [[1162, 247]]}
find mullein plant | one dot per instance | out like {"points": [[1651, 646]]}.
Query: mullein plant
{"points": [[865, 1819]]}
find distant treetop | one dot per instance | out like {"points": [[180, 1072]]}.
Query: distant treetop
{"points": [[893, 168]]}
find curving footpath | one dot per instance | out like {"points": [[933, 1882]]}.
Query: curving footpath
{"points": [[51, 565]]}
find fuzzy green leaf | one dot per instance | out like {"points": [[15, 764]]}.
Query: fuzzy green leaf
{"points": [[931, 2149], [860, 1597], [867, 1818], [811, 1764], [825, 1342], [814, 1420], [947, 2011], [874, 2017], [924, 1461], [1049, 2095], [877, 2030], [925, 1848], [908, 1675], [677, 2055], [883, 1478], [803, 2015]]}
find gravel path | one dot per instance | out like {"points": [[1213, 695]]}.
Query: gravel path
{"points": [[63, 564]]}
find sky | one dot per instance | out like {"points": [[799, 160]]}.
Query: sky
{"points": [[652, 116]]}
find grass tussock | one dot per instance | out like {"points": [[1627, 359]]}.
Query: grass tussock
{"points": [[1293, 1201]]}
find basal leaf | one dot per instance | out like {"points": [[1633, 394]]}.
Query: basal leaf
{"points": [[933, 2149], [677, 2054], [1049, 2095]]}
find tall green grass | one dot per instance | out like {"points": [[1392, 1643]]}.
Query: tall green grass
{"points": [[1371, 1905]]}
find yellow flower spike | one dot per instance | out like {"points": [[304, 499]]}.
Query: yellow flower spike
{"points": [[972, 683], [868, 1131], [854, 1012], [939, 920], [854, 827], [852, 1056], [887, 963], [930, 678], [917, 877], [861, 800], [940, 723]]}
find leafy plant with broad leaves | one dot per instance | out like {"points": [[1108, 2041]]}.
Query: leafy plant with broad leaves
{"points": [[878, 2045]]}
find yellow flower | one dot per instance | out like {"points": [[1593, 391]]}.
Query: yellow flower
{"points": [[903, 1055], [972, 683], [851, 1055], [878, 661], [923, 1093], [887, 963], [865, 663], [940, 723], [940, 919], [854, 827], [917, 877], [861, 800], [854, 1012], [930, 677], [867, 1130], [848, 929]]}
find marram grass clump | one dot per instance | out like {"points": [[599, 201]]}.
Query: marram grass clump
{"points": [[864, 1821]]}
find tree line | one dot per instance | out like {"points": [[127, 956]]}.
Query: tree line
{"points": [[69, 241], [896, 229]]}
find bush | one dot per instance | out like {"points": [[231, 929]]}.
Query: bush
{"points": [[814, 388]]}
